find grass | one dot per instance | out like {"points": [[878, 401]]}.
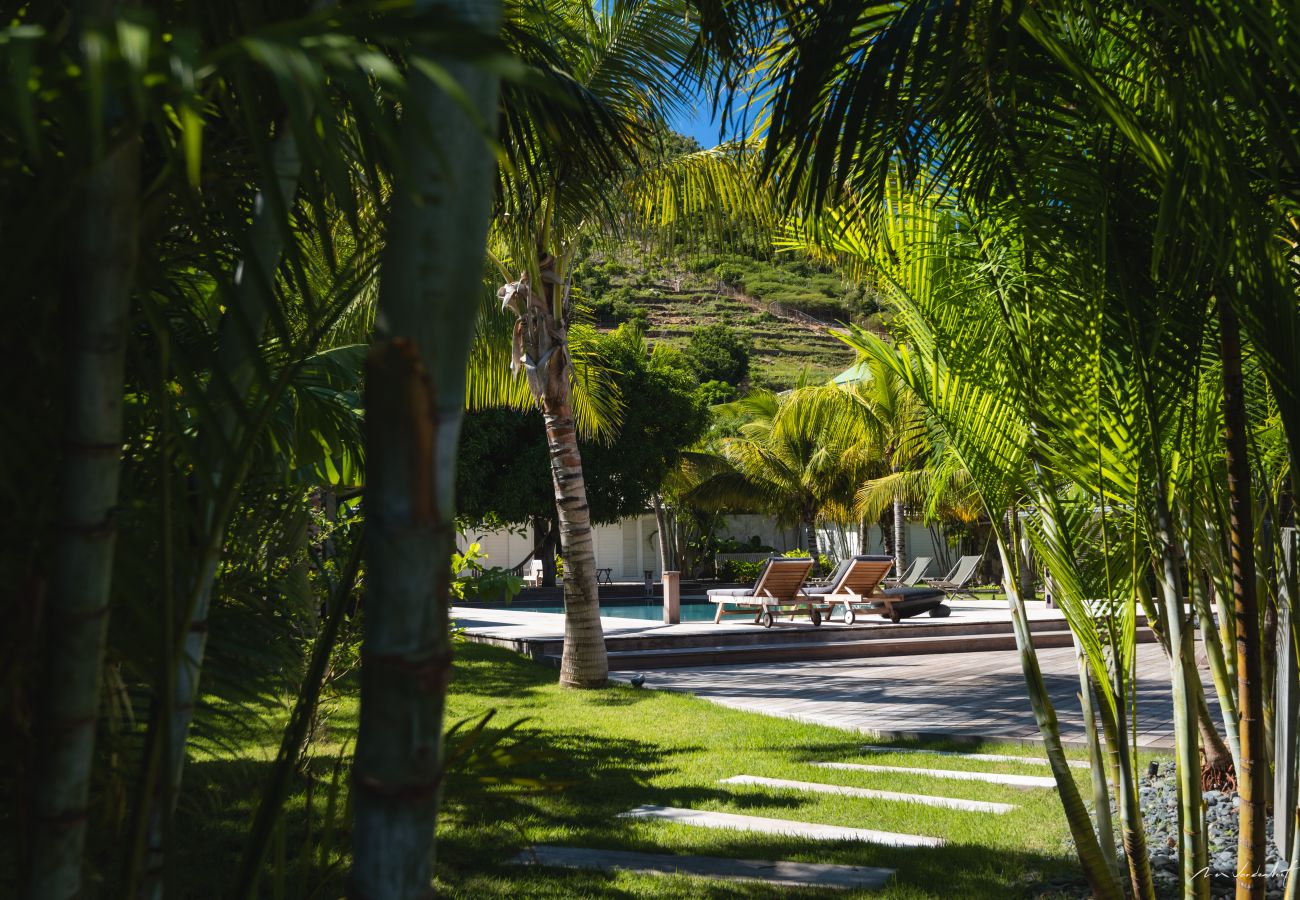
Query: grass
{"points": [[603, 752]]}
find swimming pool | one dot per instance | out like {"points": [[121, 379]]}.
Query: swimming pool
{"points": [[691, 612]]}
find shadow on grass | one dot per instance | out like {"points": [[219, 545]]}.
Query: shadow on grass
{"points": [[483, 671]]}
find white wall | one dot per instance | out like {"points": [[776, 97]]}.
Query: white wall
{"points": [[631, 546]]}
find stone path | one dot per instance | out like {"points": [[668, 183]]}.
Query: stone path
{"points": [[789, 874], [816, 787], [1026, 781], [785, 827], [966, 695]]}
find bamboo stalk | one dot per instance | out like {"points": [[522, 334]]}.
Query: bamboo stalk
{"points": [[99, 300]]}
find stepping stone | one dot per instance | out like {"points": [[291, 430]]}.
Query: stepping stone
{"points": [[981, 757], [788, 874], [1038, 781], [787, 827], [818, 788]]}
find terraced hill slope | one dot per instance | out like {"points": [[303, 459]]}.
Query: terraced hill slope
{"points": [[671, 301]]}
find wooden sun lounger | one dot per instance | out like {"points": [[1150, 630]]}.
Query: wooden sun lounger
{"points": [[778, 590], [856, 587]]}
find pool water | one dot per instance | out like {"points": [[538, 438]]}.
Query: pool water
{"points": [[691, 612]]}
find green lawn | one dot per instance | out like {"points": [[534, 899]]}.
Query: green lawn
{"points": [[603, 752]]}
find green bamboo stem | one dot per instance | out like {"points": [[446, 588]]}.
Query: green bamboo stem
{"points": [[415, 392], [82, 574]]}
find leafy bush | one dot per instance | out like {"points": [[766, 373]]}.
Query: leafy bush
{"points": [[713, 393], [718, 353], [615, 306], [739, 571], [824, 562], [703, 263], [475, 581], [730, 273]]}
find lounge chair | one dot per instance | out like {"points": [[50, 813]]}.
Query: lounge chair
{"points": [[855, 585], [778, 589], [915, 572], [957, 582]]}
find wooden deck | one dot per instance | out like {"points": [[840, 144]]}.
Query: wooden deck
{"points": [[964, 695]]}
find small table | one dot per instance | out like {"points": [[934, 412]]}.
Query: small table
{"points": [[603, 576]]}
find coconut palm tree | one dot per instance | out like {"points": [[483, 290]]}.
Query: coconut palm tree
{"points": [[632, 62], [796, 457]]}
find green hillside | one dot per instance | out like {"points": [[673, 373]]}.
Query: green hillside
{"points": [[785, 310]]}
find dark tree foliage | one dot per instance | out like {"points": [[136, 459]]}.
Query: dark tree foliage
{"points": [[718, 353], [504, 474]]}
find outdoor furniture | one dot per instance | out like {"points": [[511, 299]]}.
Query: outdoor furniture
{"points": [[534, 576], [855, 585], [852, 585], [604, 576], [958, 580], [915, 572], [777, 590]]}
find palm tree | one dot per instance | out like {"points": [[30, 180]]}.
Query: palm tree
{"points": [[415, 396], [794, 458], [631, 62]]}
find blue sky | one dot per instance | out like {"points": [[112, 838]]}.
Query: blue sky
{"points": [[698, 123]]}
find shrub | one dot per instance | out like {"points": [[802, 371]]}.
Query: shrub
{"points": [[717, 353], [713, 393], [739, 571], [729, 273]]}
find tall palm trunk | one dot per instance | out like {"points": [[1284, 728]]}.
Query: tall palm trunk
{"points": [[542, 346], [1193, 846], [1100, 877], [415, 392], [814, 548], [1132, 831], [1223, 686], [99, 303], [1252, 779], [665, 540], [1100, 788], [900, 533]]}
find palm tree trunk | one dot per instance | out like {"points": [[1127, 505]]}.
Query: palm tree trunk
{"points": [[542, 335], [1252, 778], [1132, 831], [1223, 686], [415, 392], [814, 550], [1100, 789], [665, 540], [1095, 869], [99, 302], [900, 534], [1193, 846]]}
